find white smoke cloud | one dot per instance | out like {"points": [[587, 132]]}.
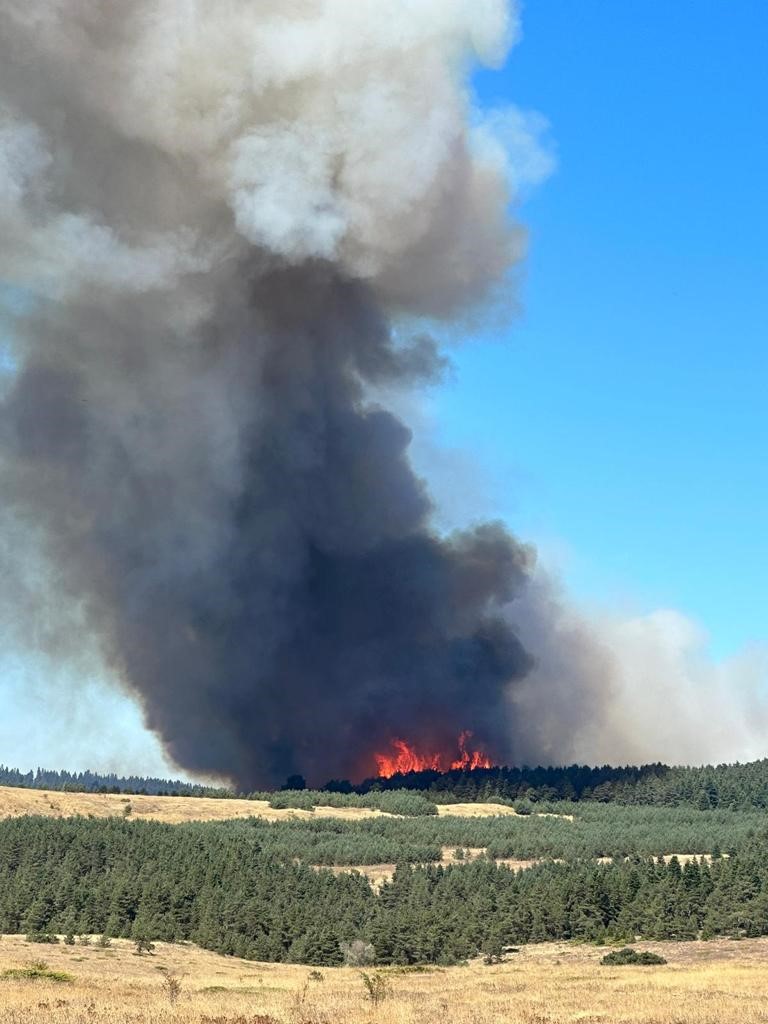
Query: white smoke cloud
{"points": [[54, 250], [618, 689], [671, 694], [331, 129], [513, 140]]}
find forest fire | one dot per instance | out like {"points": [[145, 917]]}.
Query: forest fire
{"points": [[406, 758]]}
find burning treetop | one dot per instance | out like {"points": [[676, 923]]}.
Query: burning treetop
{"points": [[404, 758]]}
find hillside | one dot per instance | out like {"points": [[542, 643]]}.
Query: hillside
{"points": [[541, 984], [15, 802]]}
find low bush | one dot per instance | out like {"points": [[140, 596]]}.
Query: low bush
{"points": [[621, 957], [377, 987], [400, 802], [296, 799], [36, 970]]}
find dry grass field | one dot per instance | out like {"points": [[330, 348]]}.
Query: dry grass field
{"points": [[175, 809], [171, 809], [718, 982]]}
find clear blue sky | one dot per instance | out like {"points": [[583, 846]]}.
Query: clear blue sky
{"points": [[625, 416]]}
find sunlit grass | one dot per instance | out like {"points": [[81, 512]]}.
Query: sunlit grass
{"points": [[719, 982]]}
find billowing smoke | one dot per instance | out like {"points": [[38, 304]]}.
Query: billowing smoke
{"points": [[219, 219], [625, 686]]}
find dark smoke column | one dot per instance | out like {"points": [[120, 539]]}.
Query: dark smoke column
{"points": [[223, 217]]}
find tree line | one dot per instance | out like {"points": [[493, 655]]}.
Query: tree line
{"points": [[95, 782], [725, 786], [731, 786]]}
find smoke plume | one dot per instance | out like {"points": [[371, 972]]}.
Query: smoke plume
{"points": [[218, 219], [625, 686]]}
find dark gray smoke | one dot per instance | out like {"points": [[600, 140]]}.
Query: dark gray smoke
{"points": [[222, 216]]}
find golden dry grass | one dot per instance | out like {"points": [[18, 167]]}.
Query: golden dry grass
{"points": [[174, 809], [171, 809], [475, 810], [704, 983]]}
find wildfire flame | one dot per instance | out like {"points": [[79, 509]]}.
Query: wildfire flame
{"points": [[405, 758]]}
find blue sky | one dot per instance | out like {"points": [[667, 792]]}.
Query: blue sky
{"points": [[623, 419]]}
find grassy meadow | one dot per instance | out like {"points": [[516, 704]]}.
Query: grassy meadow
{"points": [[718, 982]]}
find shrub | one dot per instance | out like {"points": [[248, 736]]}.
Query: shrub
{"points": [[292, 800], [620, 957], [413, 969], [377, 987], [172, 986], [400, 802], [35, 970], [43, 938], [493, 952], [411, 805]]}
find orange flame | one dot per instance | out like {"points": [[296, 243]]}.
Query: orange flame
{"points": [[468, 760], [405, 758]]}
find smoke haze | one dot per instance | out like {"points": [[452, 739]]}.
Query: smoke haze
{"points": [[631, 687]]}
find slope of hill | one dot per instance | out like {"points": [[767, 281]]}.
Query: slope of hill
{"points": [[541, 984], [15, 802]]}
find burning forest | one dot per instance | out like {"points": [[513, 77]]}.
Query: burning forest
{"points": [[403, 758], [228, 237]]}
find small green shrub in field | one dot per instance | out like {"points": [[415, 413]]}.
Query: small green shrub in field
{"points": [[292, 800], [172, 986], [377, 987], [44, 938], [620, 957], [37, 969], [414, 969]]}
